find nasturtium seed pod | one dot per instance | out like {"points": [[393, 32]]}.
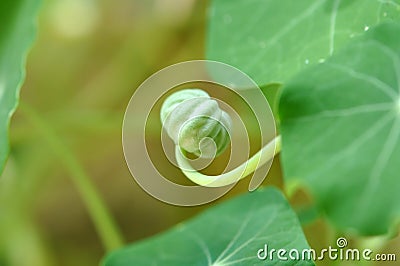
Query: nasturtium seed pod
{"points": [[195, 122]]}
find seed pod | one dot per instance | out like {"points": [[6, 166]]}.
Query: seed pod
{"points": [[195, 122]]}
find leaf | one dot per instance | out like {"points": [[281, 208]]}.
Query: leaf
{"points": [[16, 36], [228, 234], [340, 125], [272, 40], [271, 93]]}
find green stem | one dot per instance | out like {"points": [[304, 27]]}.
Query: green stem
{"points": [[264, 155], [101, 217]]}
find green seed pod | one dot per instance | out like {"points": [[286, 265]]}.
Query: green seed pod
{"points": [[195, 122]]}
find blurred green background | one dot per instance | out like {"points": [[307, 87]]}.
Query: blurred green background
{"points": [[88, 59]]}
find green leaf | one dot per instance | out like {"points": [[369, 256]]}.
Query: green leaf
{"points": [[272, 40], [271, 93], [16, 36], [228, 234], [340, 125]]}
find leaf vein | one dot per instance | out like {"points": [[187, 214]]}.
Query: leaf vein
{"points": [[332, 26], [379, 84]]}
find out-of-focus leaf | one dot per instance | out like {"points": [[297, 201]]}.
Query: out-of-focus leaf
{"points": [[228, 234], [271, 93], [17, 31]]}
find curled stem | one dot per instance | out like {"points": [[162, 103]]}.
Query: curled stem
{"points": [[264, 155]]}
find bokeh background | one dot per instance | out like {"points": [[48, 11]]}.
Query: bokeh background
{"points": [[88, 59]]}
